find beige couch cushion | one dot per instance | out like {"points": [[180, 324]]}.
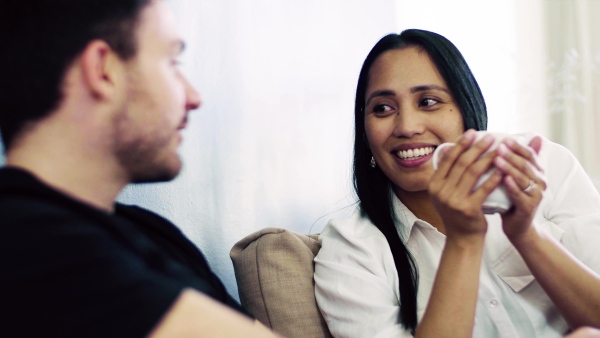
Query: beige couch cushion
{"points": [[274, 272]]}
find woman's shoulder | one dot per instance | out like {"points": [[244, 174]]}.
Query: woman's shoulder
{"points": [[355, 232], [357, 224]]}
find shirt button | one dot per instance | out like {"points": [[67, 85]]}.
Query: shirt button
{"points": [[493, 303]]}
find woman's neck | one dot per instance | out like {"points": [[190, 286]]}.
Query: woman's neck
{"points": [[420, 204]]}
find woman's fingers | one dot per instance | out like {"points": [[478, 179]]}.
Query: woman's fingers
{"points": [[518, 168], [520, 196], [536, 144], [462, 191], [453, 188], [451, 154], [528, 152], [447, 159], [524, 182], [486, 188], [461, 158], [476, 172], [519, 163]]}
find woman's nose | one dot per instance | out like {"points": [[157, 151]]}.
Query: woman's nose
{"points": [[408, 122]]}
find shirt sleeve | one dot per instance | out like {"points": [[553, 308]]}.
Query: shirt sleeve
{"points": [[356, 283], [62, 277], [575, 204]]}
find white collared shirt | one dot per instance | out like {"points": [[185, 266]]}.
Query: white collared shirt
{"points": [[356, 281]]}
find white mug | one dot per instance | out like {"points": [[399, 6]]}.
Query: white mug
{"points": [[497, 201]]}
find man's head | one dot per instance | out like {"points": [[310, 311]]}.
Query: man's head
{"points": [[41, 38], [157, 99], [113, 58]]}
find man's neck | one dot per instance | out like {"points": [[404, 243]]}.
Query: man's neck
{"points": [[84, 178]]}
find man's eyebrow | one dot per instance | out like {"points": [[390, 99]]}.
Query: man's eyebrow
{"points": [[383, 92], [428, 87]]}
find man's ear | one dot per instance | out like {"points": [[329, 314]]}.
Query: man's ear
{"points": [[101, 68]]}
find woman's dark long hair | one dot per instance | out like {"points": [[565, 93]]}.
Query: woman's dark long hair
{"points": [[371, 184]]}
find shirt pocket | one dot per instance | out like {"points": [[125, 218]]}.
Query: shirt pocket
{"points": [[511, 267]]}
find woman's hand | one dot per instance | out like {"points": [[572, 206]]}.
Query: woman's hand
{"points": [[451, 186], [525, 182]]}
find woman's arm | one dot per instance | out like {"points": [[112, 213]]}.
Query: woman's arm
{"points": [[451, 308], [573, 287]]}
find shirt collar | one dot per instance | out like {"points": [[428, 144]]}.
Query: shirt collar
{"points": [[404, 219]]}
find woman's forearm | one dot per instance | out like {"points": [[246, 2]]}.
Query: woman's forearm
{"points": [[451, 308], [574, 288]]}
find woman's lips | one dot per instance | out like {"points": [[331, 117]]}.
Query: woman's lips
{"points": [[414, 157]]}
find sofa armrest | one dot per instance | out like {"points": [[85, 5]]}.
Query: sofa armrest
{"points": [[274, 271]]}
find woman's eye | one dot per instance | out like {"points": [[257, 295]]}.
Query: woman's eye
{"points": [[381, 109], [428, 102]]}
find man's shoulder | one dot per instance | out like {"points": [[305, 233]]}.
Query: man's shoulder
{"points": [[25, 210], [34, 218], [22, 195], [148, 221]]}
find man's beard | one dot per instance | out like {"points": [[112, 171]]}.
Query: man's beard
{"points": [[146, 157]]}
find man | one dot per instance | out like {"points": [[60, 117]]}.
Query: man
{"points": [[92, 99]]}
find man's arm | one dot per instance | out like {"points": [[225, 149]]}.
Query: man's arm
{"points": [[194, 314]]}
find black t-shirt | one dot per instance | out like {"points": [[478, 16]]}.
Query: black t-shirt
{"points": [[70, 270]]}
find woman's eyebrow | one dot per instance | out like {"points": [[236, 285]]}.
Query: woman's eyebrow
{"points": [[428, 87], [383, 92]]}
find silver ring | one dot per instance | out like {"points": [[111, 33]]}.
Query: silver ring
{"points": [[532, 185]]}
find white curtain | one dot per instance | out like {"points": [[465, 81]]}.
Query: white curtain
{"points": [[573, 71]]}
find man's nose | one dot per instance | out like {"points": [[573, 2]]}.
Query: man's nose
{"points": [[193, 99]]}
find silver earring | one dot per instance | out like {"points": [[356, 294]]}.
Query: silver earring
{"points": [[373, 164]]}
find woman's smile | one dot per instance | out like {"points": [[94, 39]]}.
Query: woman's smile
{"points": [[413, 155]]}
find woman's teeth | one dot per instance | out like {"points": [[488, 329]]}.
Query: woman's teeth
{"points": [[414, 153]]}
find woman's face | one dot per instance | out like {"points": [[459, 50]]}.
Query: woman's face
{"points": [[409, 111]]}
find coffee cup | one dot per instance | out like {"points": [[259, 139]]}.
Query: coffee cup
{"points": [[498, 200]]}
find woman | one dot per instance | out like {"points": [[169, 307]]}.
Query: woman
{"points": [[419, 257]]}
